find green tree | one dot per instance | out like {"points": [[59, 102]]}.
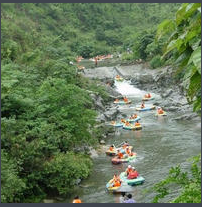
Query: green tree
{"points": [[185, 45]]}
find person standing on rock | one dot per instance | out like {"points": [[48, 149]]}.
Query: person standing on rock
{"points": [[129, 199], [95, 61]]}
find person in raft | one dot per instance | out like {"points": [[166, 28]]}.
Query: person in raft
{"points": [[160, 110], [142, 105], [116, 100], [119, 154], [96, 59], [133, 174], [125, 145], [117, 76], [116, 181], [125, 99], [128, 170], [128, 151], [127, 123], [76, 200], [113, 122], [111, 148], [123, 120], [137, 124], [148, 95]]}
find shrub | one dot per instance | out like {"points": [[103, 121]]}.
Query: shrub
{"points": [[156, 62]]}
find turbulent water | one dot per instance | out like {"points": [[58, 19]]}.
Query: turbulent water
{"points": [[161, 144]]}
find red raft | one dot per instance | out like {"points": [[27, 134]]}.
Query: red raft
{"points": [[117, 161]]}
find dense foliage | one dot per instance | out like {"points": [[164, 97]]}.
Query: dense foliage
{"points": [[47, 113], [188, 183], [184, 48]]}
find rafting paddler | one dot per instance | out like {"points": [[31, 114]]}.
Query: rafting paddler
{"points": [[117, 100], [123, 120], [137, 123], [125, 99], [127, 123], [129, 169], [160, 110], [133, 116], [148, 95], [128, 151], [113, 122], [142, 105], [111, 148], [119, 154], [117, 182], [76, 200], [125, 145], [117, 76], [133, 174]]}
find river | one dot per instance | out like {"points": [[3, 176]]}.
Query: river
{"points": [[161, 144]]}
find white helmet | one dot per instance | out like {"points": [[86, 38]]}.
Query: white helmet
{"points": [[129, 166], [159, 107]]}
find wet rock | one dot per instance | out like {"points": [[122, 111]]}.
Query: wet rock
{"points": [[59, 199], [145, 78], [187, 117], [101, 118], [78, 181], [171, 108], [102, 142], [167, 93], [48, 201], [111, 114]]}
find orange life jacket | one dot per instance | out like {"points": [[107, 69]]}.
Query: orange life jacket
{"points": [[117, 183], [120, 155], [111, 148], [137, 124], [160, 111], [76, 201], [125, 99], [129, 170], [128, 151]]}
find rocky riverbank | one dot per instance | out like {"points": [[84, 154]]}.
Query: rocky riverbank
{"points": [[159, 81], [162, 82]]}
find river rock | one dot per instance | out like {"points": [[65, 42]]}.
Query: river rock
{"points": [[48, 201], [78, 181], [145, 78], [59, 199], [102, 141], [167, 93], [111, 114], [187, 117], [100, 118]]}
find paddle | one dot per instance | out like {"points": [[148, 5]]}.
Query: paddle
{"points": [[119, 145]]}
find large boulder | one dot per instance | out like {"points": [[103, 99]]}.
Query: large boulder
{"points": [[111, 114], [145, 78], [101, 118], [167, 93]]}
